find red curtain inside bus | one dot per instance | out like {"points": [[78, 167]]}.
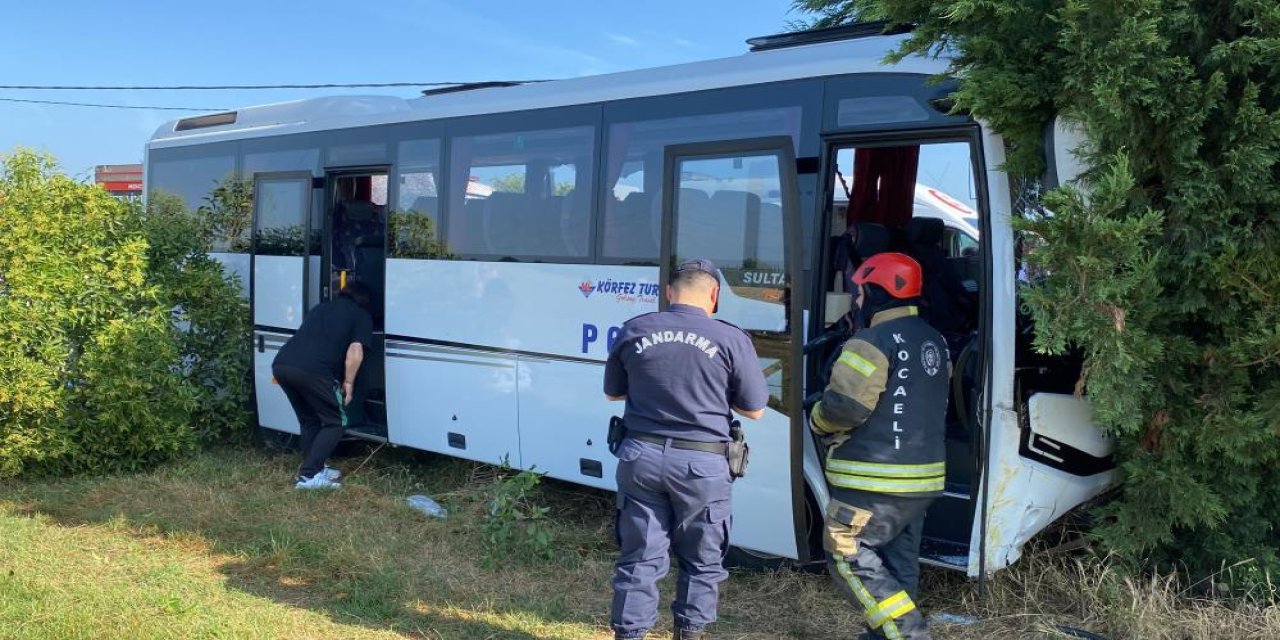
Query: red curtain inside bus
{"points": [[884, 185]]}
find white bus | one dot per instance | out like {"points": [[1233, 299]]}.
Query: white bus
{"points": [[510, 230]]}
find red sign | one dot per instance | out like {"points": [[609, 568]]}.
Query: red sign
{"points": [[121, 186]]}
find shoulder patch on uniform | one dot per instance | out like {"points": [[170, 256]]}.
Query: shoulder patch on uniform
{"points": [[931, 358]]}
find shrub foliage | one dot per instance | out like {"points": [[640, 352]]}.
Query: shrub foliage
{"points": [[210, 325], [1167, 275], [112, 326]]}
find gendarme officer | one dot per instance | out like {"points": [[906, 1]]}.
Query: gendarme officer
{"points": [[682, 375], [884, 414]]}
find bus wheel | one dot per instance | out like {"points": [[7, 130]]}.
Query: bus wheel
{"points": [[739, 558], [275, 442]]}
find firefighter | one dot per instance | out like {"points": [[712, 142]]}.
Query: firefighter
{"points": [[883, 419]]}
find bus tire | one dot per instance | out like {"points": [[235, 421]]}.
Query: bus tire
{"points": [[275, 442], [739, 558]]}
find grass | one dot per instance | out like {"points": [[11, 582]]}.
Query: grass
{"points": [[221, 546]]}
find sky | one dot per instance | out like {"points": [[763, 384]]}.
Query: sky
{"points": [[149, 42]]}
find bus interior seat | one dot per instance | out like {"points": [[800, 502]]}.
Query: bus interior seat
{"points": [[923, 232], [501, 222], [516, 224], [468, 236], [946, 301], [632, 230], [707, 226], [867, 239], [427, 205], [695, 200], [541, 226], [761, 224], [352, 219], [859, 242], [370, 268], [771, 249], [575, 222], [968, 265]]}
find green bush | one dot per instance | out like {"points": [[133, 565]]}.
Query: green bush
{"points": [[1167, 276], [98, 370], [210, 325]]}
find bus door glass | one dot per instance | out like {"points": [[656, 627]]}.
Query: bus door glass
{"points": [[735, 204], [355, 249], [281, 208]]}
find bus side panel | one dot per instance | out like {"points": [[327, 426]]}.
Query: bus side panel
{"points": [[1028, 496], [453, 401], [277, 292], [274, 411], [564, 421], [561, 311], [763, 518], [550, 325]]}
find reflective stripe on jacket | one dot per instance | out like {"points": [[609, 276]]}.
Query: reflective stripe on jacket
{"points": [[888, 393]]}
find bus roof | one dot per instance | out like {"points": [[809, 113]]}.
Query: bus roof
{"points": [[860, 55]]}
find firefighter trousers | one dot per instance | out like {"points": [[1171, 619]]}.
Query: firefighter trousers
{"points": [[873, 553]]}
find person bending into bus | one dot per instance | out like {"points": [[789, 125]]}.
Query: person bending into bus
{"points": [[682, 375], [317, 370], [883, 417]]}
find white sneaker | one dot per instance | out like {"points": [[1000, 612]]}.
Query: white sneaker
{"points": [[331, 474], [318, 481]]}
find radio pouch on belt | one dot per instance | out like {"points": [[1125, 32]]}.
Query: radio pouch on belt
{"points": [[737, 451], [617, 431]]}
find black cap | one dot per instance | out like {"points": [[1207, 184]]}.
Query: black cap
{"points": [[706, 266]]}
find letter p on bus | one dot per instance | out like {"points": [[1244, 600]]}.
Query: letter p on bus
{"points": [[589, 335]]}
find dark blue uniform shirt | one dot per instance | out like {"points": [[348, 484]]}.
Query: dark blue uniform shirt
{"points": [[681, 372]]}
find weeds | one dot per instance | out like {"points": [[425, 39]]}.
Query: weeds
{"points": [[516, 528]]}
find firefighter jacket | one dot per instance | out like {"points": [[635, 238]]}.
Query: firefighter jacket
{"points": [[885, 408]]}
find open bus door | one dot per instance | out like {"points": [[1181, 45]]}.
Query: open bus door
{"points": [[355, 248], [736, 203], [280, 295]]}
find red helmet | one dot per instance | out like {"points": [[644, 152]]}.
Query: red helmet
{"points": [[894, 272]]}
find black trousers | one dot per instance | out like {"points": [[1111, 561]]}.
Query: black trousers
{"points": [[322, 415]]}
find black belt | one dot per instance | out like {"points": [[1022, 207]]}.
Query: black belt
{"points": [[676, 443]]}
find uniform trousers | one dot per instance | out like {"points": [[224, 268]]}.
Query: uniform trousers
{"points": [[318, 402], [875, 561], [669, 500]]}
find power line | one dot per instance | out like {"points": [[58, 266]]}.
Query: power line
{"points": [[243, 87], [107, 106]]}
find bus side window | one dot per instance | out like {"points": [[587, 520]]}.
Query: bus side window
{"points": [[414, 224], [512, 195]]}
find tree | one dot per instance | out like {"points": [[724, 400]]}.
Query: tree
{"points": [[825, 13], [228, 212], [1167, 273], [209, 318], [86, 366], [120, 335]]}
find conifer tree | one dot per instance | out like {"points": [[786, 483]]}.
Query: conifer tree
{"points": [[1167, 273]]}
